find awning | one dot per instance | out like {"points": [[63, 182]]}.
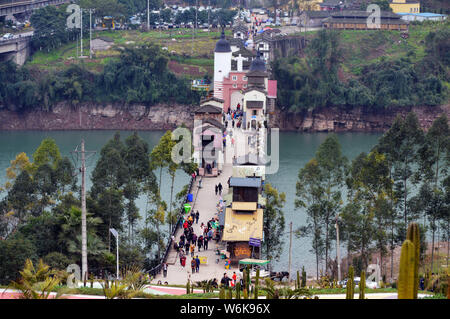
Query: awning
{"points": [[242, 226], [250, 261]]}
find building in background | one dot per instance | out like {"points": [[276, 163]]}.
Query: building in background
{"points": [[405, 6]]}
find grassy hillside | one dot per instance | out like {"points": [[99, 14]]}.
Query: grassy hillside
{"points": [[188, 58]]}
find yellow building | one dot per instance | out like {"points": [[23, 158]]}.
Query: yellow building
{"points": [[405, 6]]}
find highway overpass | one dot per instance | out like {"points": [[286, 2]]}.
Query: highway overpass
{"points": [[17, 49]]}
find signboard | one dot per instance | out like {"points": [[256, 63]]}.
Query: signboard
{"points": [[256, 242], [242, 250]]}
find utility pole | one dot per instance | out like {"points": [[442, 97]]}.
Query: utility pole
{"points": [[290, 251], [148, 15], [90, 33], [338, 255], [84, 263], [81, 29]]}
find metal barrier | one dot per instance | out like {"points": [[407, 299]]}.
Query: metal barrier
{"points": [[156, 270]]}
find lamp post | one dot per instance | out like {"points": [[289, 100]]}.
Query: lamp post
{"points": [[116, 234]]}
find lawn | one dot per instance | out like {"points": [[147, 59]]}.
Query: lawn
{"points": [[194, 56]]}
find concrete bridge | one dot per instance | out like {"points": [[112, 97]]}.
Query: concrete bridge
{"points": [[17, 49], [9, 8]]}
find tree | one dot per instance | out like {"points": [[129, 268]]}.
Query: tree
{"points": [[18, 165], [331, 165], [308, 194], [135, 157], [401, 144], [21, 198], [14, 252], [108, 179], [273, 222], [371, 186]]}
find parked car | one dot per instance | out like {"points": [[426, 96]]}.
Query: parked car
{"points": [[262, 273], [8, 36], [343, 283], [279, 276]]}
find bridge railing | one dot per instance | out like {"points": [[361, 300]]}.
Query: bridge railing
{"points": [[156, 270]]}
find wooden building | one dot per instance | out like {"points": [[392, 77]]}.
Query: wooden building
{"points": [[362, 20]]}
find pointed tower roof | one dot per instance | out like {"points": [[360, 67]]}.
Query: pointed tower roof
{"points": [[222, 45], [258, 64]]}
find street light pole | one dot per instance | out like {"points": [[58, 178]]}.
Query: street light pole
{"points": [[338, 257], [116, 234], [290, 251]]}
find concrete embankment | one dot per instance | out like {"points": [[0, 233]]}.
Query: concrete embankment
{"points": [[162, 117]]}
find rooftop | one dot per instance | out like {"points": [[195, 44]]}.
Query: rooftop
{"points": [[208, 108], [245, 182], [222, 45]]}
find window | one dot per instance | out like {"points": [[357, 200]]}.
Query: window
{"points": [[234, 78], [234, 85], [245, 86], [254, 112], [244, 78]]}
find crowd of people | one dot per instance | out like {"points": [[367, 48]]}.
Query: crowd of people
{"points": [[234, 117], [189, 241]]}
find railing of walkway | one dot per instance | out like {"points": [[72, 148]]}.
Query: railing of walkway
{"points": [[156, 270]]}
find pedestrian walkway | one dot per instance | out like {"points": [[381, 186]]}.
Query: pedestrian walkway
{"points": [[206, 204]]}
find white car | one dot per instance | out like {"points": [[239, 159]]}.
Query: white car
{"points": [[262, 273], [8, 36]]}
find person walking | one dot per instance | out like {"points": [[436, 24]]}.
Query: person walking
{"points": [[225, 281], [193, 264], [220, 188], [217, 189], [197, 216], [234, 277], [183, 261], [165, 270], [200, 242], [205, 242], [197, 264], [192, 249]]}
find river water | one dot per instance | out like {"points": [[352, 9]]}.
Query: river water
{"points": [[296, 149]]}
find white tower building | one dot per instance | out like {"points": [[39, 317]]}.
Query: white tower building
{"points": [[222, 64]]}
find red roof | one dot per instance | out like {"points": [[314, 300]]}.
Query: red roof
{"points": [[272, 89]]}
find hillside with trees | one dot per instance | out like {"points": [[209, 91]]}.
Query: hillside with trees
{"points": [[369, 69]]}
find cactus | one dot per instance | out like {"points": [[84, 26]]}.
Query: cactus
{"points": [[350, 284], [188, 287], [448, 286], [256, 284], [222, 293], [245, 293], [303, 277], [362, 286], [406, 287], [413, 235], [229, 293], [297, 281], [238, 290]]}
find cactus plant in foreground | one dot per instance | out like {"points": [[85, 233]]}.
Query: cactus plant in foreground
{"points": [[406, 287], [350, 284], [256, 284], [362, 285], [413, 235]]}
